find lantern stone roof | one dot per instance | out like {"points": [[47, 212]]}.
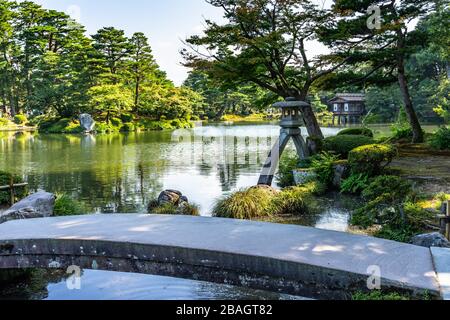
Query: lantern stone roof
{"points": [[349, 97], [291, 103]]}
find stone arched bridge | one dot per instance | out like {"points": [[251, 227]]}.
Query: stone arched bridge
{"points": [[283, 258]]}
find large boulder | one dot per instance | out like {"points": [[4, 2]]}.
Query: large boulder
{"points": [[37, 205], [171, 197], [87, 123], [431, 240]]}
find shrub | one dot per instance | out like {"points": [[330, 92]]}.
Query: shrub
{"points": [[342, 145], [116, 122], [5, 180], [371, 159], [356, 132], [60, 126], [245, 204], [126, 117], [186, 209], [441, 139], [390, 207], [288, 163], [402, 132], [3, 122], [66, 206], [20, 119], [103, 127], [355, 184], [323, 165], [291, 201], [394, 188], [128, 127]]}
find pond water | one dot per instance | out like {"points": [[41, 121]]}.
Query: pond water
{"points": [[103, 285], [121, 173]]}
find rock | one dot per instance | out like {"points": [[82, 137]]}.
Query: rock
{"points": [[340, 174], [431, 240], [170, 197], [38, 205], [87, 123]]}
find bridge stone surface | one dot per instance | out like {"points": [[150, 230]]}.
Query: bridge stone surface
{"points": [[285, 258]]}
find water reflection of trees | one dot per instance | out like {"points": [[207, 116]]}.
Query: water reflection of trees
{"points": [[122, 172]]}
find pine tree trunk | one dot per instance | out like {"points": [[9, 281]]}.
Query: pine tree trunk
{"points": [[418, 135]]}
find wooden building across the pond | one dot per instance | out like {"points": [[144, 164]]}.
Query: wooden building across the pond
{"points": [[348, 108]]}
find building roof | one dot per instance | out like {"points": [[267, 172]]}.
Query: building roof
{"points": [[350, 97]]}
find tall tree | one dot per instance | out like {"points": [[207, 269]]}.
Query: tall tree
{"points": [[383, 49], [142, 66], [113, 48], [265, 42]]}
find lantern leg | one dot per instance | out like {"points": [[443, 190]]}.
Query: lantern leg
{"points": [[273, 160], [300, 145]]}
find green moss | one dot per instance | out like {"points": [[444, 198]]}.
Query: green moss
{"points": [[371, 159], [66, 206], [356, 132], [379, 295], [342, 145]]}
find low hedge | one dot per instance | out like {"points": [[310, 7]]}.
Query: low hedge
{"points": [[20, 119], [356, 132], [342, 145], [371, 159]]}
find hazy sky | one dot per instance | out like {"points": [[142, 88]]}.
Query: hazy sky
{"points": [[165, 22]]}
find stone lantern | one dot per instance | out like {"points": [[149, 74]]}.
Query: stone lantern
{"points": [[291, 121]]}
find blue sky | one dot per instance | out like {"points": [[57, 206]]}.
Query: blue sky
{"points": [[165, 22]]}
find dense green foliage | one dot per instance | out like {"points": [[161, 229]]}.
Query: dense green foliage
{"points": [[390, 204], [371, 159], [20, 119], [260, 202], [356, 132], [288, 163], [49, 66], [355, 184], [323, 165], [66, 206], [245, 204], [441, 139], [342, 145]]}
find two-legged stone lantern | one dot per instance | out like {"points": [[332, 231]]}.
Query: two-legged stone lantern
{"points": [[291, 121]]}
